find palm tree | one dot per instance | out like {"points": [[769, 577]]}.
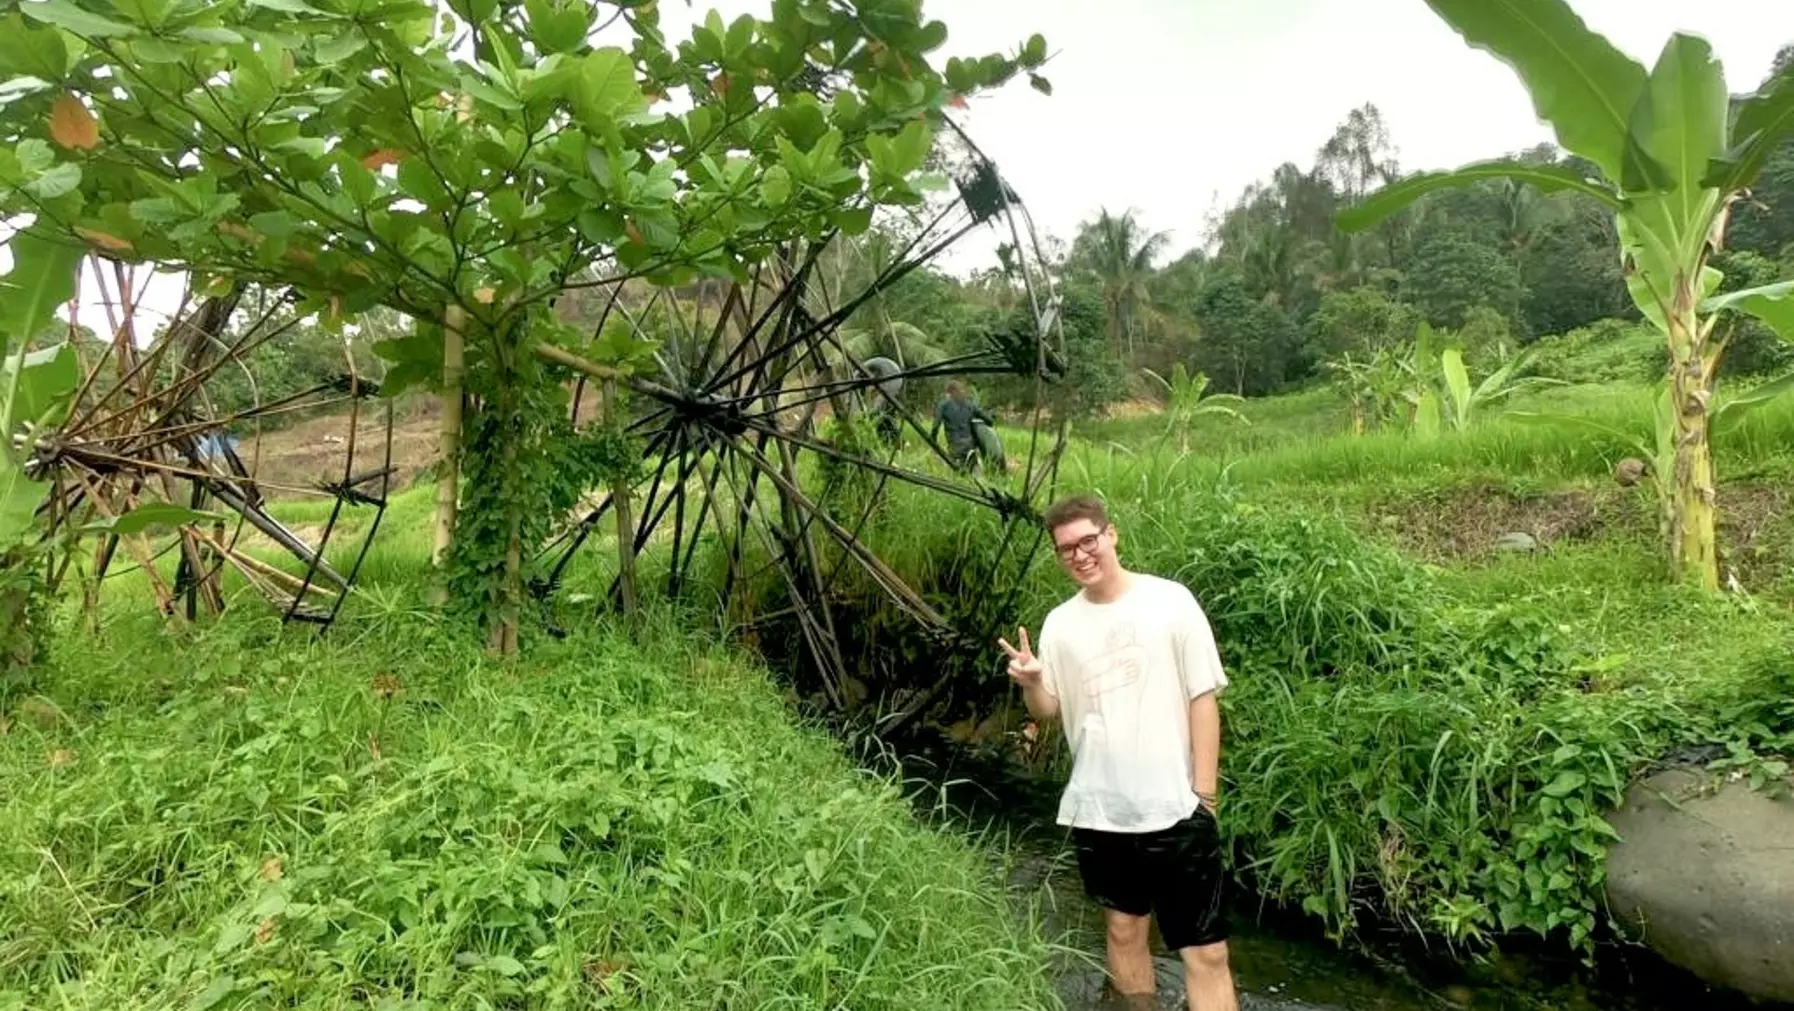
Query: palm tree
{"points": [[1118, 252]]}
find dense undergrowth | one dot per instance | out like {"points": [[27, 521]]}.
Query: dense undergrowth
{"points": [[1433, 747], [253, 817]]}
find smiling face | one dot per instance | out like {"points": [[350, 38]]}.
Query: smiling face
{"points": [[1086, 551]]}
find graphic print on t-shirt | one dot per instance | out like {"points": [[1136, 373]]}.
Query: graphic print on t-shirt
{"points": [[1119, 664]]}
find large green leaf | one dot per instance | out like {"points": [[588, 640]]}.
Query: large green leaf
{"points": [[558, 28], [151, 514], [1457, 382], [48, 379], [607, 90], [1753, 398], [416, 361], [20, 498], [1652, 263], [1495, 384], [1762, 122], [1772, 303], [1546, 178], [1680, 124], [42, 278], [1580, 83], [31, 50], [83, 23], [1426, 415]]}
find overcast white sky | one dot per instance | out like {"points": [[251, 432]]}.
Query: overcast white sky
{"points": [[1172, 107]]}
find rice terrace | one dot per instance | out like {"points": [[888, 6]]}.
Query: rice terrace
{"points": [[885, 504]]}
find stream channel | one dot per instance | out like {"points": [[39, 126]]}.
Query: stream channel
{"points": [[1281, 961]]}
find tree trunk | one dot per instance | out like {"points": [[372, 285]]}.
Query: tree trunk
{"points": [[1693, 554], [448, 435], [506, 634]]}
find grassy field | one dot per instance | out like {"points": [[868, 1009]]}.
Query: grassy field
{"points": [[250, 816], [1424, 731]]}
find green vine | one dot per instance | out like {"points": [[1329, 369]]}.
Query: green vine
{"points": [[526, 467], [24, 615]]}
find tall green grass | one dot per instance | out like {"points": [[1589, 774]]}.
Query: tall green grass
{"points": [[1427, 746], [248, 816], [1303, 442]]}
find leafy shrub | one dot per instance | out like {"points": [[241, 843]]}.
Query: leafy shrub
{"points": [[1752, 347], [1250, 347], [258, 819], [1393, 749], [1093, 379], [1611, 350], [1359, 322]]}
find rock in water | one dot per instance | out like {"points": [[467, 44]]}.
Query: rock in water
{"points": [[1707, 876]]}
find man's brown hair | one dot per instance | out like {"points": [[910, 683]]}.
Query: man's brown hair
{"points": [[1074, 508]]}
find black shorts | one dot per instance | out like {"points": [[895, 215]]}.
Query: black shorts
{"points": [[1174, 874]]}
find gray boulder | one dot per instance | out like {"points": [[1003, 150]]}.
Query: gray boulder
{"points": [[1705, 872], [1518, 541]]}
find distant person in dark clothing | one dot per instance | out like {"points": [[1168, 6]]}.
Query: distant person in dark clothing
{"points": [[957, 413]]}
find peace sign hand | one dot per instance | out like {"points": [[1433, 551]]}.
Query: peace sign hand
{"points": [[1024, 666]]}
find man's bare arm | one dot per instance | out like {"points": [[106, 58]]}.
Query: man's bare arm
{"points": [[1205, 746], [1042, 704], [1027, 671]]}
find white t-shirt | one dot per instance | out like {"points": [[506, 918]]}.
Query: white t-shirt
{"points": [[1124, 674]]}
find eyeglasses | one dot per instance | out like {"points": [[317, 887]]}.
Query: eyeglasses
{"points": [[1083, 545]]}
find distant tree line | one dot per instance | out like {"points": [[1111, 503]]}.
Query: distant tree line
{"points": [[1277, 291]]}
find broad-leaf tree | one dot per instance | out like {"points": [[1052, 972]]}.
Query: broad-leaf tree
{"points": [[465, 164], [1670, 163]]}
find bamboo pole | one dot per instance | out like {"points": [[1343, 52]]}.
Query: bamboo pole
{"points": [[448, 480], [619, 496]]}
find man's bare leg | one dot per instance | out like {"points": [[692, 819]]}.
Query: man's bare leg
{"points": [[1130, 960], [1208, 978]]}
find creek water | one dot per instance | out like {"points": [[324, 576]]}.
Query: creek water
{"points": [[1280, 961]]}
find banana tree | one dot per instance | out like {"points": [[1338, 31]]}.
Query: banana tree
{"points": [[1187, 398], [1464, 403], [1671, 162], [1374, 387]]}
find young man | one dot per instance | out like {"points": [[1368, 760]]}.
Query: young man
{"points": [[1129, 665]]}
